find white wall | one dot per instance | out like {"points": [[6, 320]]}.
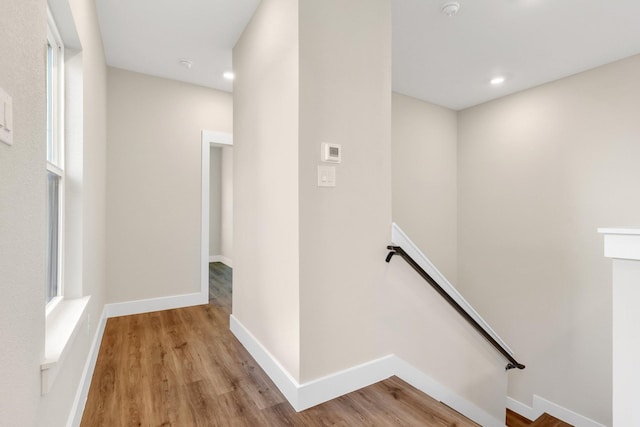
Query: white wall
{"points": [[420, 327], [153, 159], [352, 306], [226, 195], [265, 175], [539, 171], [22, 210], [215, 201], [343, 230], [424, 177], [94, 237], [221, 202]]}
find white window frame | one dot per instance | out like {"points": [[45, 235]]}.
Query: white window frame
{"points": [[55, 136]]}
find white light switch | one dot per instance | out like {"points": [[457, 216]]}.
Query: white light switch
{"points": [[6, 118], [326, 176]]}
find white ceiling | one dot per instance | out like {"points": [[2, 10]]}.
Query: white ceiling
{"points": [[450, 60], [151, 36], [444, 60]]}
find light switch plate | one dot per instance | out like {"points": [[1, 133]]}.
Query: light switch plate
{"points": [[6, 118], [326, 176]]}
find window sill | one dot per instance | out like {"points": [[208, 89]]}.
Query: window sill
{"points": [[63, 324]]}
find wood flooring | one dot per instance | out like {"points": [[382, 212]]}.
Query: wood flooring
{"points": [[545, 420], [516, 420], [185, 368]]}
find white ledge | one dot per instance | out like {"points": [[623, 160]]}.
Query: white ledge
{"points": [[625, 230], [63, 324], [621, 243]]}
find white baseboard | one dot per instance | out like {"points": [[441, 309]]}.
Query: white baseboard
{"points": [[77, 408], [221, 258], [155, 304], [522, 409], [287, 385], [306, 395], [542, 405], [323, 389], [433, 388], [312, 393]]}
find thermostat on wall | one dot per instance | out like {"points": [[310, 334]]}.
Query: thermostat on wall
{"points": [[331, 152]]}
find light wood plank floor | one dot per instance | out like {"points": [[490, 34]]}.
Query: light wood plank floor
{"points": [[184, 368]]}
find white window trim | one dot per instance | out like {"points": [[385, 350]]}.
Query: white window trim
{"points": [[65, 317], [56, 165], [55, 40]]}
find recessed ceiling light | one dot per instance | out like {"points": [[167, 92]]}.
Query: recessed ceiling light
{"points": [[497, 80], [450, 8], [228, 75], [186, 63]]}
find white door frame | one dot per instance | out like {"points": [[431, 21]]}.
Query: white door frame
{"points": [[209, 139]]}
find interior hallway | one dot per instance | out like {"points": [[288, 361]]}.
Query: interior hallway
{"points": [[185, 368]]}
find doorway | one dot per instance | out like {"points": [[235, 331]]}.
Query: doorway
{"points": [[217, 217]]}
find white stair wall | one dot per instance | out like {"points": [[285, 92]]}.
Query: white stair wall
{"points": [[422, 329]]}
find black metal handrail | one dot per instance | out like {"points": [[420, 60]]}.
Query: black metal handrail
{"points": [[397, 250]]}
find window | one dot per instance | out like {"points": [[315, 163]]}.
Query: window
{"points": [[55, 163]]}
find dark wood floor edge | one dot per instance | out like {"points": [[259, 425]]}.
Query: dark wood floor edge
{"points": [[512, 416]]}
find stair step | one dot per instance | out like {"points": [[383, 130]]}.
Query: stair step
{"points": [[545, 420], [516, 420]]}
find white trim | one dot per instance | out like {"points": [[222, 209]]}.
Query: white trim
{"points": [[58, 127], [55, 169], [625, 230], [60, 11], [155, 304], [80, 400], [217, 139], [62, 327], [51, 305], [621, 245], [340, 383], [304, 396], [204, 219], [209, 139], [542, 405], [287, 385], [58, 91], [221, 258], [399, 238], [433, 388], [315, 392], [522, 409]]}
